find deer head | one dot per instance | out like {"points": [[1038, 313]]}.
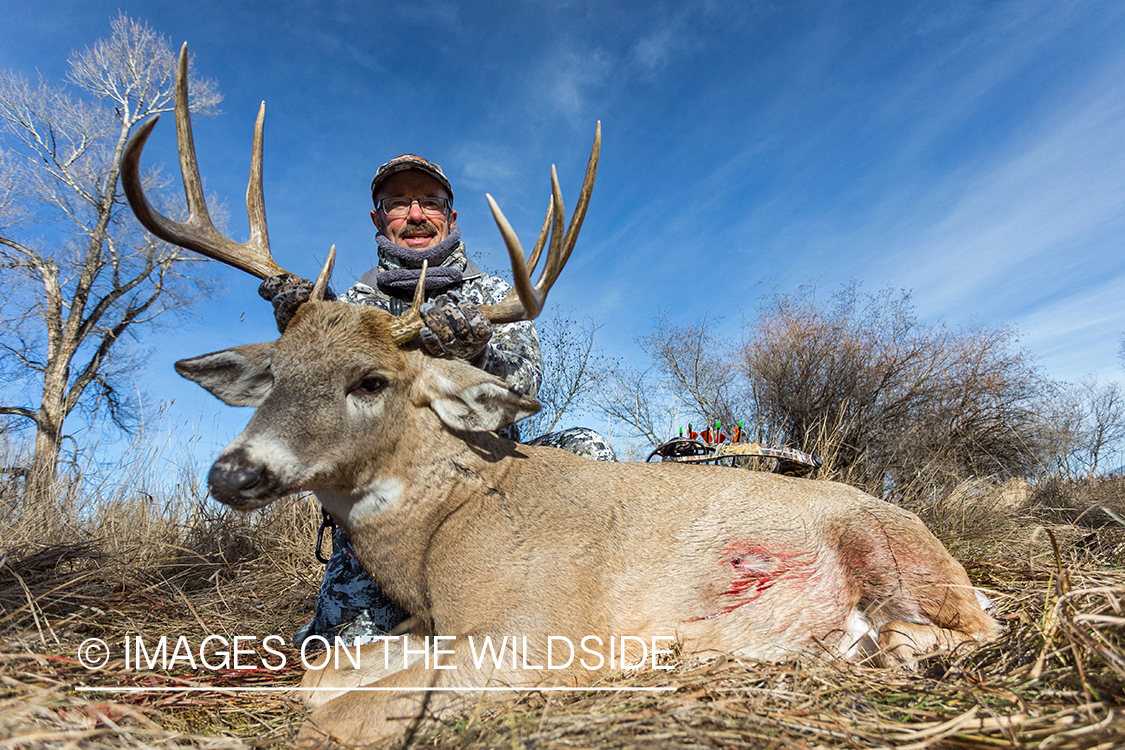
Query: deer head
{"points": [[339, 403]]}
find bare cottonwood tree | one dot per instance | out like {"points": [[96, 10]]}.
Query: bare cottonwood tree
{"points": [[1087, 423], [79, 272], [633, 400]]}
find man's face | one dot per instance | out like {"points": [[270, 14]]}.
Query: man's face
{"points": [[417, 230]]}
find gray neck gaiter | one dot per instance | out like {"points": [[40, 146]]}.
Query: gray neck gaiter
{"points": [[405, 265]]}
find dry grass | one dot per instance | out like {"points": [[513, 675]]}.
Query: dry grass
{"points": [[1056, 680], [150, 564]]}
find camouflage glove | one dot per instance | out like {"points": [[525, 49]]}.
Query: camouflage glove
{"points": [[454, 328], [287, 292]]}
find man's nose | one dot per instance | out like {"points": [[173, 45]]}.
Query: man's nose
{"points": [[416, 212]]}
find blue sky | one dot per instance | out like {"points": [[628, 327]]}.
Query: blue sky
{"points": [[972, 152]]}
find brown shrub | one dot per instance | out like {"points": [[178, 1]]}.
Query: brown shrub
{"points": [[893, 405], [902, 403]]}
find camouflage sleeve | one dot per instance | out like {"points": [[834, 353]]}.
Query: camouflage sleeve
{"points": [[361, 294], [513, 352], [513, 356]]}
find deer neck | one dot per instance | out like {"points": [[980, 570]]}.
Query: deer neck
{"points": [[397, 520]]}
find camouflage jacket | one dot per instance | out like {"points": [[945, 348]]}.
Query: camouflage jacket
{"points": [[513, 352]]}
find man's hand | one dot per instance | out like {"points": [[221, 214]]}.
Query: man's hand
{"points": [[287, 292], [454, 328]]}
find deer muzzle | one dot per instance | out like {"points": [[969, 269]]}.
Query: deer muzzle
{"points": [[237, 480]]}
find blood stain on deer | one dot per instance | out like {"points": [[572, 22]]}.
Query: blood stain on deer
{"points": [[753, 570]]}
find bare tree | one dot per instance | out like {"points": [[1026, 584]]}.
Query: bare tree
{"points": [[695, 378], [632, 398], [904, 401], [81, 273], [700, 369], [1087, 426], [1105, 419], [857, 378], [572, 368]]}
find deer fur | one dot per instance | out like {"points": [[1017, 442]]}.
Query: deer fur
{"points": [[479, 536]]}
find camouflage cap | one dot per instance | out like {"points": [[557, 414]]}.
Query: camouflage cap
{"points": [[405, 162]]}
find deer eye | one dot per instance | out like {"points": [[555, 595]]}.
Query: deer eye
{"points": [[370, 386]]}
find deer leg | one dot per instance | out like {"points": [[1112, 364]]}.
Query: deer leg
{"points": [[360, 717], [904, 643], [919, 598], [338, 673]]}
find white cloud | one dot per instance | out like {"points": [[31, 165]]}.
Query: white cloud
{"points": [[1078, 334], [485, 166], [682, 32], [652, 52], [1029, 215], [570, 79]]}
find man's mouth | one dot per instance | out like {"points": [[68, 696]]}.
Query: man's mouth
{"points": [[418, 234], [417, 238]]}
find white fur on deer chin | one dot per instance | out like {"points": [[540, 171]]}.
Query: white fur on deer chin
{"points": [[377, 497]]}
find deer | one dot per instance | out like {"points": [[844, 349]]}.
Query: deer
{"points": [[483, 540]]}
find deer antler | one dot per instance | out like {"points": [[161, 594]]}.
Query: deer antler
{"points": [[525, 301], [198, 233]]}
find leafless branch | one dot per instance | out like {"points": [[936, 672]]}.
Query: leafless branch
{"points": [[572, 367]]}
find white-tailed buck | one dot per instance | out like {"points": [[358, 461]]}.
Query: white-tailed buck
{"points": [[569, 565]]}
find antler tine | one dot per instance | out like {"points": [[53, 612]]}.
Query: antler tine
{"points": [[320, 286], [198, 233], [405, 327], [525, 302], [584, 196], [189, 165], [255, 193], [555, 260], [562, 245], [528, 302], [542, 241], [420, 288]]}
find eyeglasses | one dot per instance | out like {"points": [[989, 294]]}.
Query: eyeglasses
{"points": [[400, 206]]}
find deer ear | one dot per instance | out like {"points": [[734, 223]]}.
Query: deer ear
{"points": [[238, 377], [468, 399]]}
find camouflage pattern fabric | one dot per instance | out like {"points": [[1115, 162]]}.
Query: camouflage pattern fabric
{"points": [[287, 292], [581, 441], [352, 606]]}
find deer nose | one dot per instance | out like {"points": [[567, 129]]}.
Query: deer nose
{"points": [[237, 480]]}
